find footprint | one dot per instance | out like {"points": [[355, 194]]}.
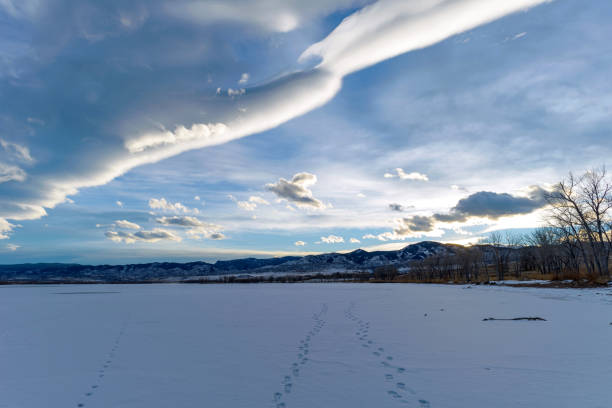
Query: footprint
{"points": [[424, 403], [394, 394], [388, 377]]}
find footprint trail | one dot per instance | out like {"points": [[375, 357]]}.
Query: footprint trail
{"points": [[105, 365], [393, 375], [301, 360]]}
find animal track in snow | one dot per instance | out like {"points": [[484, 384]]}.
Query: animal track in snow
{"points": [[106, 365]]}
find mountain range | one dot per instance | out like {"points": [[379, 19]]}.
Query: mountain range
{"points": [[355, 261]]}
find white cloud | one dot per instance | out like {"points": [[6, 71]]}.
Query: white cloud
{"points": [[377, 32], [127, 224], [354, 241], [155, 235], [165, 205], [296, 191], [197, 198], [361, 195], [244, 78], [12, 247], [271, 15], [299, 243], [181, 135], [11, 173], [332, 239], [197, 229], [250, 204], [369, 236], [402, 175], [387, 28], [5, 228], [119, 203], [19, 152]]}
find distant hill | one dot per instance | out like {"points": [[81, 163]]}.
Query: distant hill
{"points": [[358, 260]]}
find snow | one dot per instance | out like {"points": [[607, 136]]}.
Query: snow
{"points": [[303, 345], [530, 282]]}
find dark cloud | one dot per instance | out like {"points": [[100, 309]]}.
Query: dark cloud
{"points": [[396, 207], [485, 204], [494, 205], [183, 221], [416, 223]]}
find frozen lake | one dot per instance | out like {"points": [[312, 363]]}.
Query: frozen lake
{"points": [[303, 346]]}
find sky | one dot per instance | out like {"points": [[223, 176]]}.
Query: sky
{"points": [[200, 130]]}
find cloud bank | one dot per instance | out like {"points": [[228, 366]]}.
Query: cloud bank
{"points": [[155, 235], [483, 204], [128, 138]]}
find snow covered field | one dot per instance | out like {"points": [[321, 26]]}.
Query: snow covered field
{"points": [[303, 345]]}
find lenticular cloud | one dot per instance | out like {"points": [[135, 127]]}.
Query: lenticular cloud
{"points": [[373, 34]]}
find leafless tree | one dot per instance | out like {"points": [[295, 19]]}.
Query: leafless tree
{"points": [[581, 210]]}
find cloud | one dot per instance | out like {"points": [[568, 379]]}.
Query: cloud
{"points": [[197, 228], [20, 152], [119, 203], [129, 139], [483, 204], [369, 236], [396, 207], [12, 247], [275, 15], [492, 205], [402, 175], [5, 228], [197, 198], [416, 223], [296, 191], [163, 204], [244, 78], [180, 135], [386, 29], [250, 204], [332, 239], [354, 241], [299, 243], [127, 224], [155, 235], [11, 173]]}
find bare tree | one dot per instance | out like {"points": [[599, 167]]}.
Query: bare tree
{"points": [[500, 253], [581, 210]]}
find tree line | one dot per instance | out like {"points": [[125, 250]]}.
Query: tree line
{"points": [[574, 243]]}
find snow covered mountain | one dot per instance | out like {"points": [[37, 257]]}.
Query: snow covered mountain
{"points": [[358, 260]]}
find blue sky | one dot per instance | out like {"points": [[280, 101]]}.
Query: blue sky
{"points": [[205, 130]]}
